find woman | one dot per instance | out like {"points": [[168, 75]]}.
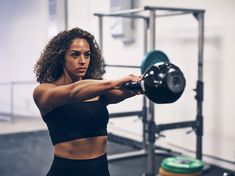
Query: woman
{"points": [[72, 99]]}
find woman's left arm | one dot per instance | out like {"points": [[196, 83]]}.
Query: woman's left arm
{"points": [[118, 95]]}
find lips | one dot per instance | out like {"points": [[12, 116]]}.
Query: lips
{"points": [[82, 69]]}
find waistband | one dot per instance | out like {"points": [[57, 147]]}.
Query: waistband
{"points": [[68, 160]]}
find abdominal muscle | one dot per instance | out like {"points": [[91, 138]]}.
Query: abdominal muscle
{"points": [[86, 148]]}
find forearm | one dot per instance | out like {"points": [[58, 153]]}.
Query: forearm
{"points": [[118, 95], [87, 89]]}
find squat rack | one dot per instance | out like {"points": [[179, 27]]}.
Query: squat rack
{"points": [[150, 128]]}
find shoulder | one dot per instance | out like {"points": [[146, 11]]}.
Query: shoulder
{"points": [[41, 88], [44, 86]]}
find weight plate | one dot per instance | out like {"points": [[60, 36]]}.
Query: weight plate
{"points": [[163, 172], [182, 165], [153, 57]]}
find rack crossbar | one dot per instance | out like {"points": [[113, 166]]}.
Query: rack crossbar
{"points": [[163, 127], [125, 114], [174, 9]]}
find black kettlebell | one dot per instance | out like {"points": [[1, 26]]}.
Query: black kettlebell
{"points": [[162, 82]]}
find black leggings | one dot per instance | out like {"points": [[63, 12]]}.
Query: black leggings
{"points": [[87, 167]]}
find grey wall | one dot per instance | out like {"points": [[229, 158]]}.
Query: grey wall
{"points": [[23, 33], [26, 27]]}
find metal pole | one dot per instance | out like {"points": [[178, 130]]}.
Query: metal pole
{"points": [[152, 29], [66, 14], [199, 89], [128, 11], [144, 116], [100, 21], [200, 46], [146, 23], [151, 160], [12, 102]]}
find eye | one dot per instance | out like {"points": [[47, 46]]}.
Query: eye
{"points": [[87, 55], [75, 54]]}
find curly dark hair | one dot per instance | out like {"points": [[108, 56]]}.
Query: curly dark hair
{"points": [[49, 67]]}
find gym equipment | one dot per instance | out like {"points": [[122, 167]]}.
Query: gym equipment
{"points": [[162, 82], [163, 172], [152, 57], [150, 128], [182, 165]]}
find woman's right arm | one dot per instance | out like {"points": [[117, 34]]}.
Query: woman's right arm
{"points": [[48, 96]]}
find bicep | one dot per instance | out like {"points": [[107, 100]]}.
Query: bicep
{"points": [[118, 95], [114, 96]]}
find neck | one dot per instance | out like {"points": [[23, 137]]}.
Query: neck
{"points": [[66, 78]]}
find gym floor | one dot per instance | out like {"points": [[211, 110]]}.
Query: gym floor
{"points": [[30, 153]]}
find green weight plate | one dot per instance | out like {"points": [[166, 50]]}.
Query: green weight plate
{"points": [[153, 57], [163, 172], [182, 165]]}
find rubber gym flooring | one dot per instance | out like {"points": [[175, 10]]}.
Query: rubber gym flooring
{"points": [[30, 154]]}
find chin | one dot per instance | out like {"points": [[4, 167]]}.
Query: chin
{"points": [[80, 77]]}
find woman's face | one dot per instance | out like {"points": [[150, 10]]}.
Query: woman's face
{"points": [[77, 59]]}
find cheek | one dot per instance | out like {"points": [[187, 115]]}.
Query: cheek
{"points": [[88, 62], [69, 64], [66, 61]]}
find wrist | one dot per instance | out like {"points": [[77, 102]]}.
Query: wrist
{"points": [[115, 84]]}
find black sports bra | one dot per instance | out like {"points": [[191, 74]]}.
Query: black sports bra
{"points": [[77, 120]]}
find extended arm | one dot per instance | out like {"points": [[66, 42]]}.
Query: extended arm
{"points": [[118, 95], [48, 96]]}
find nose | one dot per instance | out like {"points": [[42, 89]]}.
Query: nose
{"points": [[82, 59]]}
